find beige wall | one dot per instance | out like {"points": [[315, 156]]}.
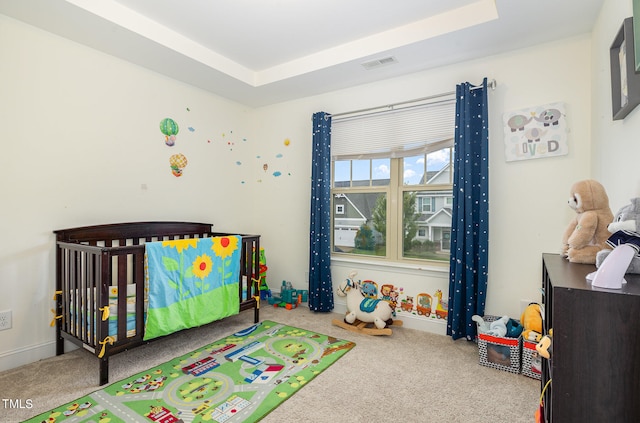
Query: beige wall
{"points": [[81, 145]]}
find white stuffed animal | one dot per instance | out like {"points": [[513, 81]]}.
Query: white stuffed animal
{"points": [[364, 309], [496, 328], [625, 230]]}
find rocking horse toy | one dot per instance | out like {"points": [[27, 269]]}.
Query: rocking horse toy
{"points": [[363, 312]]}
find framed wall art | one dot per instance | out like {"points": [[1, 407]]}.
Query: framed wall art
{"points": [[636, 32], [535, 132], [625, 82]]}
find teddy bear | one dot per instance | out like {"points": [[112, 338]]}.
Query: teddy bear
{"points": [[587, 233], [625, 229], [531, 321]]}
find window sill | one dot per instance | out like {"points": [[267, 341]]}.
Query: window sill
{"points": [[409, 268]]}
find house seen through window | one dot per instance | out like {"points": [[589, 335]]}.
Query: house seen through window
{"points": [[392, 198], [417, 227]]}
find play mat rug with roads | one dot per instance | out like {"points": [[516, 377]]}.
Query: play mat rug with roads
{"points": [[240, 378]]}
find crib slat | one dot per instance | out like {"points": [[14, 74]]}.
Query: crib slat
{"points": [[138, 271], [80, 292], [121, 284], [92, 275], [66, 291], [102, 326], [75, 307]]}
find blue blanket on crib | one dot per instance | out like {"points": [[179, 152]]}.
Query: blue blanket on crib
{"points": [[191, 282]]}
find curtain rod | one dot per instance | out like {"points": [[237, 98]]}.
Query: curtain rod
{"points": [[491, 84]]}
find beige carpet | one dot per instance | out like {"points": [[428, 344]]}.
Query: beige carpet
{"points": [[410, 376]]}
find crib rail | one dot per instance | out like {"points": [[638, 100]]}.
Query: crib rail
{"points": [[137, 232], [86, 274], [250, 272]]}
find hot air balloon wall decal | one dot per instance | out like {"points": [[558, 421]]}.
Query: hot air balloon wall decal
{"points": [[170, 129], [178, 162]]}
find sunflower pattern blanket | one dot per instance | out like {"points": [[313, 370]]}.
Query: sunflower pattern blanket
{"points": [[191, 282]]}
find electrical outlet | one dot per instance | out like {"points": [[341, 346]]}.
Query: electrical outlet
{"points": [[5, 319]]}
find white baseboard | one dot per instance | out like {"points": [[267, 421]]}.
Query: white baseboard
{"points": [[439, 326], [21, 356]]}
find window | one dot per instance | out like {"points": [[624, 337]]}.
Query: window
{"points": [[426, 204], [392, 182], [448, 202]]}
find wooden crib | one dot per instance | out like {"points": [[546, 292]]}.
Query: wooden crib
{"points": [[94, 262]]}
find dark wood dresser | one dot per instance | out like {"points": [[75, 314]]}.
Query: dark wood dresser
{"points": [[595, 365]]}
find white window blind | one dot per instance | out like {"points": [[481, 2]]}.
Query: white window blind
{"points": [[404, 132]]}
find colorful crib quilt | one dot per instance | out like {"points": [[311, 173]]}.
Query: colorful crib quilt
{"points": [[191, 282]]}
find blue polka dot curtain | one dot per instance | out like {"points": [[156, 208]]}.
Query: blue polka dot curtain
{"points": [[470, 217], [320, 286]]}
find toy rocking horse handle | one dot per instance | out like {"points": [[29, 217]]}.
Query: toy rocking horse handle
{"points": [[349, 285]]}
